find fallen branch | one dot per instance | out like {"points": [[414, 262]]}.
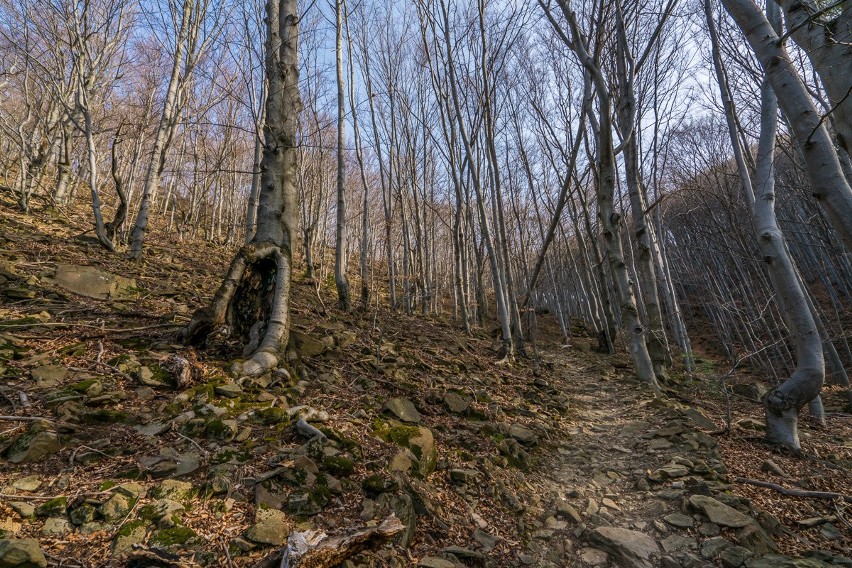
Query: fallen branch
{"points": [[26, 419], [795, 492], [315, 549]]}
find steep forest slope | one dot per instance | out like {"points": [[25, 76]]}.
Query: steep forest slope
{"points": [[119, 442]]}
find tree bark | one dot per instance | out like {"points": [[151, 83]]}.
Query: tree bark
{"points": [[828, 182], [254, 297], [340, 280]]}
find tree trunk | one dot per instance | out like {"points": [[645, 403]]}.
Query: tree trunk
{"points": [[827, 43], [828, 182], [254, 298], [162, 138], [340, 279]]}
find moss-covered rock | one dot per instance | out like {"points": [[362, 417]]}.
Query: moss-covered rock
{"points": [[338, 465], [56, 507], [271, 416], [174, 536], [418, 439]]}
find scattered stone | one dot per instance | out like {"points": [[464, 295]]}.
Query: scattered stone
{"points": [[699, 419], [421, 443], [720, 513], [751, 424], [116, 507], [677, 543], [34, 445], [754, 538], [172, 489], [659, 444], [55, 526], [593, 557], [735, 556], [463, 476], [308, 413], [632, 549], [94, 283], [567, 511], [403, 409], [680, 520], [85, 513], [463, 553], [49, 376], [21, 553], [270, 527], [130, 534], [434, 562], [229, 390], [31, 483], [153, 429], [56, 507], [487, 541], [456, 403], [523, 434], [25, 510], [712, 547]]}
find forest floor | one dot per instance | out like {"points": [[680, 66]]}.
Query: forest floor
{"points": [[118, 440]]}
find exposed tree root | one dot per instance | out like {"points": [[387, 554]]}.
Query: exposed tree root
{"points": [[248, 315]]}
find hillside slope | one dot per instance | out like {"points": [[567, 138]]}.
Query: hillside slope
{"points": [[117, 440]]}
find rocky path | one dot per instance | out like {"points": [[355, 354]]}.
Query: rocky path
{"points": [[638, 482]]}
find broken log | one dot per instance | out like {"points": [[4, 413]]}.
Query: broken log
{"points": [[316, 549]]}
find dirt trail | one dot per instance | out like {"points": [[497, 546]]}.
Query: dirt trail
{"points": [[620, 489]]}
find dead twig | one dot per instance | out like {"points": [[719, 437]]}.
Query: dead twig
{"points": [[795, 492]]}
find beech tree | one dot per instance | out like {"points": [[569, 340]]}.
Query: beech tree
{"points": [[254, 298]]}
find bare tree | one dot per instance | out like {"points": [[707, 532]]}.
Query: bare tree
{"points": [[254, 298]]}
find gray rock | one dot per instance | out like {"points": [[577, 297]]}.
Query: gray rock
{"points": [[402, 506], [49, 376], [116, 507], [25, 510], [37, 443], [735, 556], [463, 476], [754, 538], [463, 553], [632, 549], [130, 534], [456, 403], [568, 511], [523, 434], [172, 489], [308, 413], [93, 283], [30, 483], [593, 556], [55, 526], [699, 419], [712, 547], [21, 553], [719, 513], [270, 527], [434, 562], [487, 541], [403, 409], [676, 543], [772, 467], [229, 390], [679, 520]]}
